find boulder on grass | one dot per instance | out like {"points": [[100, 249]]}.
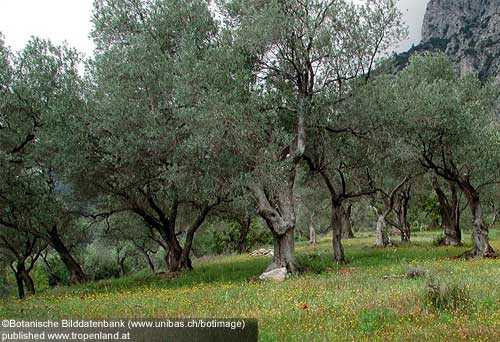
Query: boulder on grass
{"points": [[278, 274], [262, 252]]}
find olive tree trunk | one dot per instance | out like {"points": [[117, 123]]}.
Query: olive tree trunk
{"points": [[337, 219], [381, 236], [75, 270], [245, 228], [177, 257], [284, 252], [20, 286], [481, 247], [449, 209], [24, 281], [312, 235], [149, 261], [401, 209], [174, 259], [279, 214], [346, 223]]}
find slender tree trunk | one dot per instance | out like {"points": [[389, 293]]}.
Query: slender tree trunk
{"points": [[245, 228], [148, 260], [76, 273], [495, 215], [54, 279], [337, 220], [401, 209], [186, 251], [346, 223], [20, 285], [28, 282], [121, 262], [185, 261], [480, 242], [312, 235], [450, 213], [381, 236]]}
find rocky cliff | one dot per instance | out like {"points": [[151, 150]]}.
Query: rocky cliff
{"points": [[469, 31]]}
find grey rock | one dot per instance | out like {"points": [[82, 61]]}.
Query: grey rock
{"points": [[278, 274], [468, 31], [262, 252]]}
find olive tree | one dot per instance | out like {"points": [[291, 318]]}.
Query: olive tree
{"points": [[302, 56], [40, 88], [448, 123], [136, 147]]}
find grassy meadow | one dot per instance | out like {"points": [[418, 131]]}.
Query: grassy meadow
{"points": [[368, 299]]}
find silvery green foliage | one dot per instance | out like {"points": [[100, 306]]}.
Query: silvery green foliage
{"points": [[142, 117], [40, 93], [447, 119]]}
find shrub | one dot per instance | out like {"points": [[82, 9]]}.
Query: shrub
{"points": [[57, 273], [415, 271], [314, 262], [5, 287], [223, 237], [100, 264], [446, 296], [438, 240]]}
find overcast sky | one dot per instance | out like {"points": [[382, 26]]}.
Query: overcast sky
{"points": [[69, 20]]}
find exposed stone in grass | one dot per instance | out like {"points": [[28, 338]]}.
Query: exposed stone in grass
{"points": [[262, 252], [278, 274]]}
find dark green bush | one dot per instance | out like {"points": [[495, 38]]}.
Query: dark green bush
{"points": [[57, 273], [223, 238], [100, 263], [6, 288]]}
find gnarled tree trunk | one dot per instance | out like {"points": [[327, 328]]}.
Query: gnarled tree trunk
{"points": [[185, 261], [76, 273], [174, 259], [284, 252], [177, 257], [450, 213], [279, 214], [346, 223], [480, 242], [23, 279]]}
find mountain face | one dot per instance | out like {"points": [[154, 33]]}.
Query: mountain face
{"points": [[468, 31]]}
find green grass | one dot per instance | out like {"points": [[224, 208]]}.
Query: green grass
{"points": [[350, 302]]}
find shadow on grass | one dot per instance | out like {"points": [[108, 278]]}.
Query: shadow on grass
{"points": [[364, 255], [314, 259], [226, 270]]}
